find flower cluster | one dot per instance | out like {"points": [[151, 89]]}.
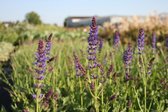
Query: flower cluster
{"points": [[93, 43], [141, 41], [40, 61], [42, 56]]}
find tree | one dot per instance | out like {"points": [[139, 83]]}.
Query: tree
{"points": [[33, 18]]}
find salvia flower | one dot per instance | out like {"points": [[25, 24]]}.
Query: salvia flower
{"points": [[93, 43], [80, 71], [141, 41], [110, 70], [154, 40], [100, 44], [127, 58], [48, 47], [116, 40], [40, 61], [128, 54]]}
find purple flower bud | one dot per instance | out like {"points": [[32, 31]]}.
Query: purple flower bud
{"points": [[34, 96], [141, 41], [93, 76], [92, 85], [127, 76], [116, 39], [49, 94], [112, 97], [41, 77], [109, 70]]}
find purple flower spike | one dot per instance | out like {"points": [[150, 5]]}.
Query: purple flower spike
{"points": [[116, 39], [154, 40], [92, 44], [141, 41], [40, 58], [80, 71], [127, 57], [48, 47], [100, 44]]}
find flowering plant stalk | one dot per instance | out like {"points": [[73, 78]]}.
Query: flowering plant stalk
{"points": [[127, 58], [42, 56]]}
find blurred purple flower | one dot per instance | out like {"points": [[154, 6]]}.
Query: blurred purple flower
{"points": [[49, 94], [34, 96], [127, 57], [112, 97], [100, 44], [141, 41], [154, 40], [92, 85], [40, 96], [48, 47], [116, 39], [109, 70]]}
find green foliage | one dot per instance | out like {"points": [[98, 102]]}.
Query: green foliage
{"points": [[74, 92], [33, 18]]}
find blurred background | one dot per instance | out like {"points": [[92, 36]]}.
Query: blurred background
{"points": [[22, 22]]}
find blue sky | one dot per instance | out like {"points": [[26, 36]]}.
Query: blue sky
{"points": [[55, 11]]}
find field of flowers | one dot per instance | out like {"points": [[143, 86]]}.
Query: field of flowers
{"points": [[89, 75]]}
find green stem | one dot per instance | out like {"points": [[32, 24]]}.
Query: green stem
{"points": [[145, 94], [102, 98], [37, 106], [81, 96]]}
